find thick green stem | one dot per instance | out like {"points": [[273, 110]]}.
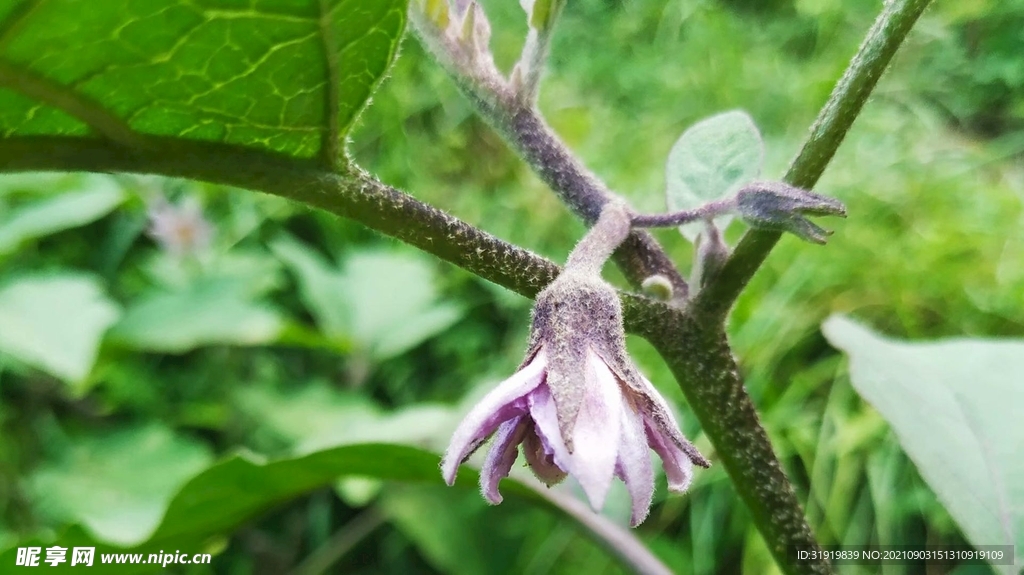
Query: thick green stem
{"points": [[703, 364], [833, 122], [355, 195]]}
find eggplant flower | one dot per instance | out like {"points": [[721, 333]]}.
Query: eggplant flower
{"points": [[577, 405], [180, 229]]}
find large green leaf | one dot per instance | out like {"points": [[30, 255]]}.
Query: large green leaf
{"points": [[284, 75], [240, 487], [55, 323], [956, 407]]}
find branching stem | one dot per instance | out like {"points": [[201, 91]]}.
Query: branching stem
{"points": [[522, 126], [706, 212], [829, 129]]}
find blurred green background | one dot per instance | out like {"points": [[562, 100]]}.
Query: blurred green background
{"points": [[292, 330]]}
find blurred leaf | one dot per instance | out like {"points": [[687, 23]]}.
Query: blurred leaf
{"points": [[60, 212], [385, 300], [456, 531], [55, 323], [248, 273], [36, 183], [956, 408], [711, 160], [270, 75], [319, 417], [208, 312], [6, 539], [394, 301], [118, 484], [321, 286], [237, 489]]}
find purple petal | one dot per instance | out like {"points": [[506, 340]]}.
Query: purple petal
{"points": [[500, 404], [597, 431], [660, 420], [678, 466], [634, 465], [541, 459], [658, 406], [502, 455], [545, 420]]}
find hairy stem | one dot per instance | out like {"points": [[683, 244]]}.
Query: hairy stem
{"points": [[833, 122], [353, 195], [639, 256], [535, 50], [604, 237], [706, 212], [702, 362], [519, 122]]}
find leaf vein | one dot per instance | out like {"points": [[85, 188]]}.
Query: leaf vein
{"points": [[51, 93]]}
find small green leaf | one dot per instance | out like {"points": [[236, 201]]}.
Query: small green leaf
{"points": [[319, 417], [541, 13], [118, 484], [55, 323], [711, 160], [385, 300], [207, 312], [956, 408], [97, 197], [321, 286], [395, 302]]}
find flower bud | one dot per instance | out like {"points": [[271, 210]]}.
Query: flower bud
{"points": [[780, 207]]}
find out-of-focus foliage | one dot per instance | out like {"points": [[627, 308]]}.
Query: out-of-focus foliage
{"points": [[955, 406], [35, 312], [934, 246]]}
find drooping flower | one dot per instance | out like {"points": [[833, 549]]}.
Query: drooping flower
{"points": [[577, 406]]}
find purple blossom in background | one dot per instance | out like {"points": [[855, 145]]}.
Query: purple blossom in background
{"points": [[578, 406], [180, 229]]}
